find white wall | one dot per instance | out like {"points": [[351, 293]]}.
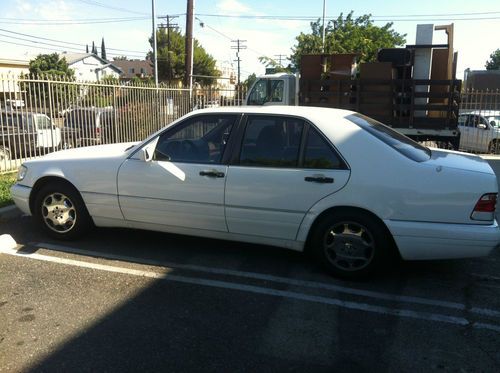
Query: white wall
{"points": [[85, 70]]}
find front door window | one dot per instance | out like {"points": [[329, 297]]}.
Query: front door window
{"points": [[201, 139]]}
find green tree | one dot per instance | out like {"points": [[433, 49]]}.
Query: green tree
{"points": [[494, 62], [50, 65], [347, 35], [272, 63], [103, 50], [171, 60], [250, 80]]}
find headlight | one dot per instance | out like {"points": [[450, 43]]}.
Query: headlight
{"points": [[22, 172]]}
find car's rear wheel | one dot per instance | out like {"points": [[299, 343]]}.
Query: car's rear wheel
{"points": [[60, 211], [350, 244]]}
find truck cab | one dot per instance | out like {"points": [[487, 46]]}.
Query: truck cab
{"points": [[274, 89]]}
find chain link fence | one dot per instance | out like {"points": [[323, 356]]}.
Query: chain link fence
{"points": [[40, 115]]}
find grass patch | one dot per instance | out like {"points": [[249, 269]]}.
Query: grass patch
{"points": [[6, 181]]}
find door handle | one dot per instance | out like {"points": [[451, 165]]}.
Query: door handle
{"points": [[319, 179], [212, 173]]}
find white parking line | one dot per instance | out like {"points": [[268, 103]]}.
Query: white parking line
{"points": [[281, 280], [262, 290]]}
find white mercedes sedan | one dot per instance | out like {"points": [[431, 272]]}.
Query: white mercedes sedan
{"points": [[345, 187]]}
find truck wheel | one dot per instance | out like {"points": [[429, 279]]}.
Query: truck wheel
{"points": [[4, 154], [350, 244], [60, 211]]}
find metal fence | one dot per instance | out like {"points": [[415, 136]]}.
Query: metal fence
{"points": [[479, 122], [40, 115]]}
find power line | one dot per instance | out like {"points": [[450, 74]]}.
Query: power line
{"points": [[61, 22], [313, 17], [67, 42], [73, 49], [281, 57], [203, 24], [98, 4]]}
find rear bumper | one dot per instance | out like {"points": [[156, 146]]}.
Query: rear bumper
{"points": [[21, 196], [422, 241]]}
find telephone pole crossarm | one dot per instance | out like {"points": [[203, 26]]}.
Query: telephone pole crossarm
{"points": [[239, 46]]}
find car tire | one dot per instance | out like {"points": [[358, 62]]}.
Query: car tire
{"points": [[4, 154], [351, 244], [60, 212], [494, 147]]}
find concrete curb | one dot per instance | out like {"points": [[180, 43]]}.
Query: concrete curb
{"points": [[7, 242], [9, 211]]}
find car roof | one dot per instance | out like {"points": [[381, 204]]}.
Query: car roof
{"points": [[485, 113], [303, 111]]}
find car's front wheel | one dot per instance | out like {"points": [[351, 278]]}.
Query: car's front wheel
{"points": [[60, 211], [350, 244]]}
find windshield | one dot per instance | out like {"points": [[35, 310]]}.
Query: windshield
{"points": [[266, 90], [404, 145], [494, 121]]}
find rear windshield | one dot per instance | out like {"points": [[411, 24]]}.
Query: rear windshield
{"points": [[395, 140]]}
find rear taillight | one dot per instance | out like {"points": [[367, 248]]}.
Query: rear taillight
{"points": [[485, 207]]}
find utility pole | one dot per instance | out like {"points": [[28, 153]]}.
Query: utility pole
{"points": [[168, 26], [188, 63], [280, 58], [323, 38], [239, 46], [155, 51]]}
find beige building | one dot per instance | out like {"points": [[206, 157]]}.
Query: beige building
{"points": [[13, 68], [10, 70]]}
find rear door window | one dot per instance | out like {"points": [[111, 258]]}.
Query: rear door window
{"points": [[271, 141], [319, 154]]}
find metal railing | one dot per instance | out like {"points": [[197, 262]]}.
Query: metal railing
{"points": [[40, 115], [479, 122]]}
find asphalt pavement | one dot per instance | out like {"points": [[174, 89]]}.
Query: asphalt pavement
{"points": [[130, 300]]}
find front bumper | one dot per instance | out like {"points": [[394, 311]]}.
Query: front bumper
{"points": [[21, 196], [422, 241]]}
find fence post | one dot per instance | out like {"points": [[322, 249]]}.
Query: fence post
{"points": [[49, 90]]}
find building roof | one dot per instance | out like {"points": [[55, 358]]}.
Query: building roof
{"points": [[11, 62], [72, 58]]}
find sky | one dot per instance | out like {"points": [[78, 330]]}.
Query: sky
{"points": [[126, 25]]}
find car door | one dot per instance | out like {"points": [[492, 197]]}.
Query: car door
{"points": [[283, 167], [48, 135], [183, 185], [484, 133]]}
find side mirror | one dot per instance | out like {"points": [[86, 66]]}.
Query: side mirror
{"points": [[144, 155], [481, 126], [493, 124]]}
